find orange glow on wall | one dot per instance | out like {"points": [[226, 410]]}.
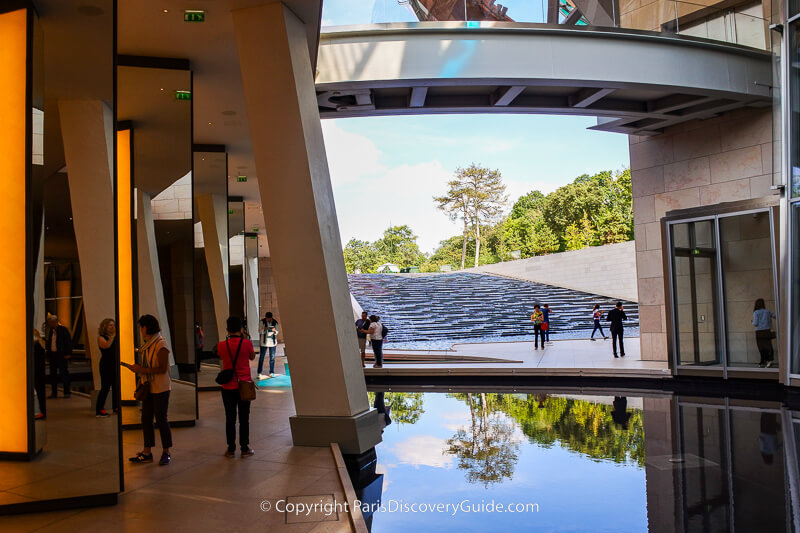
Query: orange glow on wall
{"points": [[14, 297], [125, 328]]}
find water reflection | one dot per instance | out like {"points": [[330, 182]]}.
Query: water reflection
{"points": [[610, 462]]}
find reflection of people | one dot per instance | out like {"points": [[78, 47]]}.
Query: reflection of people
{"points": [[616, 316], [768, 439], [198, 342], [620, 414], [109, 348], [362, 328], [39, 380], [236, 353], [268, 331], [59, 349], [380, 406], [540, 399], [155, 369], [597, 314], [762, 322], [375, 332], [538, 319]]}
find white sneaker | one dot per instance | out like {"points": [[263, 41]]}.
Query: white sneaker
{"points": [[261, 377], [272, 374]]}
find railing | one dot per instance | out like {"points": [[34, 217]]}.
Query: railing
{"points": [[745, 24]]}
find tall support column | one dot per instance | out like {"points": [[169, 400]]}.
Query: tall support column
{"points": [[251, 293], [328, 384], [151, 290], [213, 214], [87, 127]]}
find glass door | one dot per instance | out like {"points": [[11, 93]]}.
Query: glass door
{"points": [[695, 310]]}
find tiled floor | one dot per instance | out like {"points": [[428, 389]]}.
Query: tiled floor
{"points": [[204, 491], [560, 357]]}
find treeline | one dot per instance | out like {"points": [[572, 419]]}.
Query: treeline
{"points": [[591, 211]]}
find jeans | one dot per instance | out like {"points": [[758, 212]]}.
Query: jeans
{"points": [[597, 326], [263, 354], [107, 372], [377, 349], [614, 336], [537, 332], [546, 333], [58, 364], [156, 405], [231, 401]]}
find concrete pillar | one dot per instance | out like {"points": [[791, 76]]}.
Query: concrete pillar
{"points": [[212, 210], [87, 127], [251, 295], [328, 384], [151, 289]]}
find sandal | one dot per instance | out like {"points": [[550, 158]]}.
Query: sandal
{"points": [[141, 457]]}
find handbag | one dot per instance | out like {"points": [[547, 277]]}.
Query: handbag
{"points": [[247, 391], [545, 326], [226, 375]]}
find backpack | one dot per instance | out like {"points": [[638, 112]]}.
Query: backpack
{"points": [[384, 331]]}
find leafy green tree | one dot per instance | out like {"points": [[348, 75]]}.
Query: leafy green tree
{"points": [[361, 256], [579, 235], [534, 200], [399, 246]]}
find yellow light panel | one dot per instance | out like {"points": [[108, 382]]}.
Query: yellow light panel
{"points": [[125, 262], [13, 297]]}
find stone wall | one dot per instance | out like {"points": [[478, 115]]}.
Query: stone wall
{"points": [[608, 270], [698, 163]]}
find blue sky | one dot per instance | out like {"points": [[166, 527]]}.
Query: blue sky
{"points": [[386, 170]]}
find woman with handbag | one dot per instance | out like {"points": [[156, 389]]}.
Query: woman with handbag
{"points": [[238, 389], [153, 391], [762, 322]]}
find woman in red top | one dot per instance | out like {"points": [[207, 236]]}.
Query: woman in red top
{"points": [[237, 348]]}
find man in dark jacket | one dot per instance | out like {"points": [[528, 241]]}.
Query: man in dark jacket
{"points": [[616, 316], [58, 344]]}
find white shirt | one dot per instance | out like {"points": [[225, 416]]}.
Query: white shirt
{"points": [[376, 331]]}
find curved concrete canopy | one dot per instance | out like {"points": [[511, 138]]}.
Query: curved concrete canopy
{"points": [[635, 82]]}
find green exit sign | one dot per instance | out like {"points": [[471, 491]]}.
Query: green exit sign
{"points": [[241, 179], [183, 95], [194, 16]]}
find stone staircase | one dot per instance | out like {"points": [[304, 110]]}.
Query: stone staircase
{"points": [[470, 307]]}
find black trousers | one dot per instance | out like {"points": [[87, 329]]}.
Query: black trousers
{"points": [[232, 403], [764, 343], [107, 372], [58, 364], [537, 332], [156, 405], [614, 336], [39, 382]]}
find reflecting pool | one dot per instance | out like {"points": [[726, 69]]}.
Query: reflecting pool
{"points": [[545, 461]]}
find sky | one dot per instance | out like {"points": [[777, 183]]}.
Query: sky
{"points": [[386, 170]]}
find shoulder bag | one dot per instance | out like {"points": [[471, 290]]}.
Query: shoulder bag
{"points": [[143, 388]]}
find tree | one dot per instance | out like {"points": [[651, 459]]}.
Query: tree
{"points": [[360, 256], [580, 234], [533, 201], [399, 245], [477, 196]]}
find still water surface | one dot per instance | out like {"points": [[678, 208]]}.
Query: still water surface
{"points": [[580, 463]]}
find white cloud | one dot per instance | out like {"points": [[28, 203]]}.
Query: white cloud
{"points": [[423, 450], [351, 157]]}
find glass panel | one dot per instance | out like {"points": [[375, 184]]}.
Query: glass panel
{"points": [[747, 266], [695, 286], [705, 477], [795, 288], [794, 102]]}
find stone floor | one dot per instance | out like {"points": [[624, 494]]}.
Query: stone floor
{"points": [[204, 491], [560, 357]]}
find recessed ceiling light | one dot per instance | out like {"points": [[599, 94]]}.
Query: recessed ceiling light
{"points": [[209, 123], [162, 88], [166, 11]]}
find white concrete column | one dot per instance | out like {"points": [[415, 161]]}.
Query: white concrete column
{"points": [[151, 289], [251, 295], [328, 384], [87, 127], [212, 210]]}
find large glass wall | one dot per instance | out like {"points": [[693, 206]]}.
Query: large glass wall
{"points": [[724, 299]]}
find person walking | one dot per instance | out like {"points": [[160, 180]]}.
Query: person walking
{"points": [[538, 319], [762, 322], [362, 328], [236, 353], [546, 323], [109, 348], [268, 338], [154, 370], [375, 332], [616, 316], [597, 314], [59, 350]]}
